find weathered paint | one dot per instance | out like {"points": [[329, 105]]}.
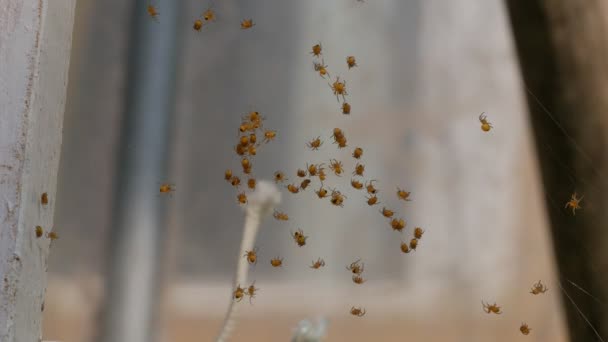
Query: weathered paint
{"points": [[35, 41]]}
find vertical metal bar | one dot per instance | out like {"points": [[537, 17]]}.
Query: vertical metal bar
{"points": [[136, 236]]}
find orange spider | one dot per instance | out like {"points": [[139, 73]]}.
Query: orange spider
{"points": [[337, 198], [356, 184], [251, 291], [524, 329], [235, 181], [491, 308], [299, 238], [322, 193], [52, 236], [279, 177], [39, 231], [372, 200], [318, 264], [321, 68], [228, 175], [316, 50], [209, 15], [418, 233], [359, 169], [301, 173], [356, 267], [153, 12], [280, 215], [239, 293], [247, 24], [538, 288], [44, 199], [574, 203], [351, 62], [294, 189], [403, 195], [252, 256], [413, 243], [485, 125], [305, 183], [398, 224], [315, 144], [339, 89], [336, 167], [357, 312], [251, 183], [357, 279], [387, 212], [166, 188], [405, 248], [357, 153], [276, 262], [345, 108], [242, 198], [198, 25], [269, 136]]}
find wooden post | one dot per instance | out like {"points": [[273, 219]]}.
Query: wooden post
{"points": [[563, 55], [35, 42]]}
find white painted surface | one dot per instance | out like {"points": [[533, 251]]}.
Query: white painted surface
{"points": [[35, 41]]}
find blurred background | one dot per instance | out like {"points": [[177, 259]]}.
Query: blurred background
{"points": [[426, 70]]}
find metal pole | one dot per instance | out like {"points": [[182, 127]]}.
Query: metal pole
{"points": [[137, 234]]}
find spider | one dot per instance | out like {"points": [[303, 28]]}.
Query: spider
{"points": [[280, 216], [299, 238], [153, 12], [372, 200], [359, 312], [351, 62], [356, 267], [405, 248], [336, 167], [315, 144], [52, 236], [198, 25], [166, 188], [322, 192], [356, 184], [316, 50], [491, 308], [44, 199], [252, 256], [370, 187], [398, 224], [524, 329], [279, 177], [418, 233], [345, 108], [276, 262], [321, 68], [339, 89], [305, 183], [39, 231], [403, 195], [387, 212], [485, 125], [357, 153], [239, 293], [251, 183], [247, 24], [251, 291], [357, 279], [574, 203], [538, 288], [318, 264]]}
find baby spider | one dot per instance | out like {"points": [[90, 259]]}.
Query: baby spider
{"points": [[356, 184], [359, 312], [322, 175], [315, 144], [372, 200], [313, 169], [166, 188], [398, 224], [413, 244], [336, 167], [299, 238], [294, 189], [342, 142], [252, 256], [242, 198], [524, 329], [345, 108], [239, 293], [485, 125], [153, 12], [301, 173], [280, 215], [209, 15], [356, 267], [405, 248], [251, 183], [245, 162], [276, 262], [52, 236], [369, 186], [305, 183], [247, 24], [359, 169], [321, 68], [228, 175], [39, 231], [387, 212], [357, 279], [318, 264], [538, 288], [574, 203], [44, 199], [357, 153], [322, 193], [279, 177], [269, 136], [351, 62], [491, 308], [235, 181], [251, 291], [337, 134], [198, 25], [403, 195], [316, 50], [337, 198], [418, 233], [339, 89]]}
